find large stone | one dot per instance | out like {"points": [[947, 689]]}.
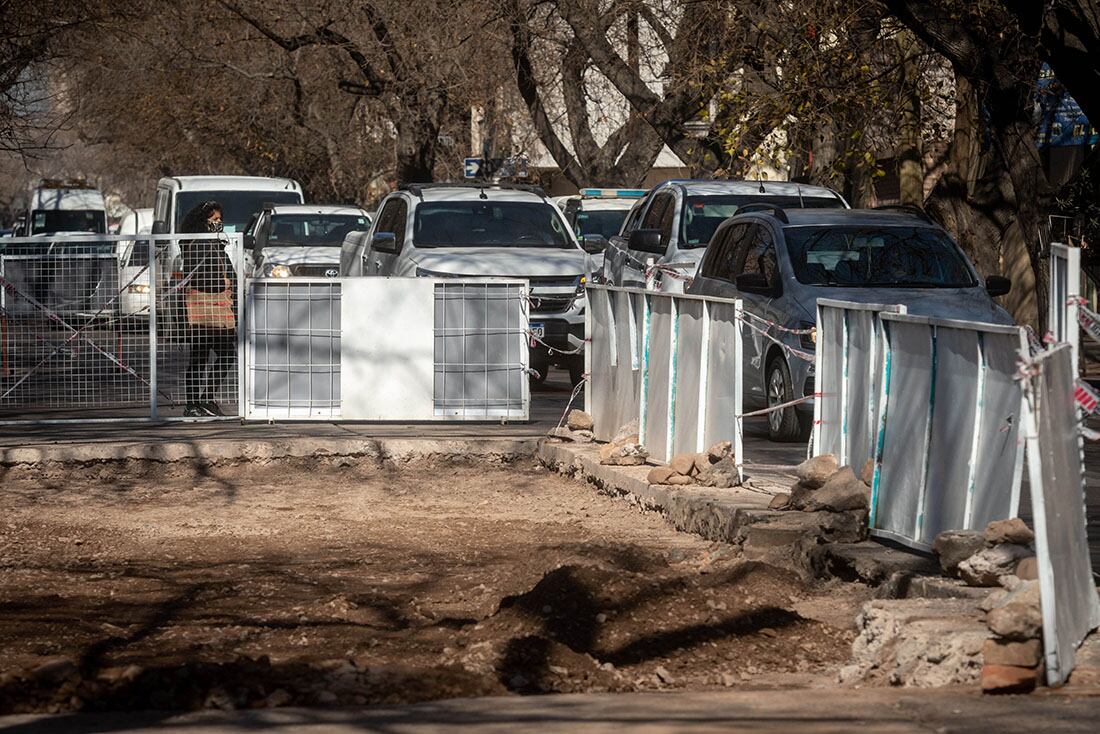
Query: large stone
{"points": [[1028, 569], [867, 473], [702, 462], [659, 475], [683, 463], [629, 454], [842, 492], [1018, 615], [955, 546], [578, 420], [55, 671], [1013, 530], [816, 471], [799, 494], [719, 451], [722, 474], [779, 502], [987, 566], [679, 480], [1008, 679], [1025, 653]]}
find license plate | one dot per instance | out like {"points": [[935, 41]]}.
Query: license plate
{"points": [[538, 331]]}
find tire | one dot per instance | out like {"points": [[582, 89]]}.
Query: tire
{"points": [[786, 425]]}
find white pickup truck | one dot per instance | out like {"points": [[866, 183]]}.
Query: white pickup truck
{"points": [[301, 239]]}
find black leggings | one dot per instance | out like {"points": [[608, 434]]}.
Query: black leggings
{"points": [[213, 353]]}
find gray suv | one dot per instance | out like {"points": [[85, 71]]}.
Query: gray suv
{"points": [[779, 262]]}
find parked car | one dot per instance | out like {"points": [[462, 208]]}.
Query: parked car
{"points": [[475, 230], [65, 207], [133, 262], [779, 262], [301, 239], [597, 215], [675, 221]]}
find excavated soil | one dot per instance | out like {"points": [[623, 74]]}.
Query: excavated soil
{"points": [[338, 582]]}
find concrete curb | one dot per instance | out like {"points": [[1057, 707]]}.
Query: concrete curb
{"points": [[210, 451]]}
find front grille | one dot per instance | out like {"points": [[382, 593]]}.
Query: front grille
{"points": [[316, 271], [554, 281], [555, 303]]}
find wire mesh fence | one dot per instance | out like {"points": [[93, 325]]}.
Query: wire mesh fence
{"points": [[118, 326]]}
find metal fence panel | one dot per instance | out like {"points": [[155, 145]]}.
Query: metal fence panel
{"points": [[949, 396], [723, 397], [1056, 473], [81, 317], [613, 359]]}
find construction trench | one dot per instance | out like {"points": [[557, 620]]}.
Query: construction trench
{"points": [[266, 579]]}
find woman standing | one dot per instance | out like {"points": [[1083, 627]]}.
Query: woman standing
{"points": [[211, 319]]}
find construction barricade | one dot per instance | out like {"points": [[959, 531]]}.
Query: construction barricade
{"points": [[96, 326], [1070, 605], [387, 349], [671, 362]]}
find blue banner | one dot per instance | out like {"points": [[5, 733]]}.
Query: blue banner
{"points": [[1061, 122]]}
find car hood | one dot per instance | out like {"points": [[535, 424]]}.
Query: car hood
{"points": [[501, 261], [965, 304], [300, 255]]}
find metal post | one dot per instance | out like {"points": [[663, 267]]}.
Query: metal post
{"points": [[154, 293], [738, 389], [673, 345], [643, 396], [242, 315], [588, 348]]}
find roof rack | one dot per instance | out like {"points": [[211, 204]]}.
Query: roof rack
{"points": [[916, 211], [775, 210], [417, 188]]}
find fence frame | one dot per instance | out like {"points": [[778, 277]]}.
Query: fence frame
{"points": [[663, 447], [914, 538], [1065, 289], [151, 242]]}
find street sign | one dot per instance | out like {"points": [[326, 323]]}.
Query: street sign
{"points": [[472, 167]]}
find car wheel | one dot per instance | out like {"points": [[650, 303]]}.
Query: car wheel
{"points": [[786, 424]]}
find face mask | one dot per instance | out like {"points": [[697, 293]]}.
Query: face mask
{"points": [[214, 226]]}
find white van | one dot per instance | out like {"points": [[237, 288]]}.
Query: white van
{"points": [[133, 261], [69, 207], [240, 197]]}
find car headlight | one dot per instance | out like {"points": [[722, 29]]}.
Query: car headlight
{"points": [[278, 271], [138, 288]]}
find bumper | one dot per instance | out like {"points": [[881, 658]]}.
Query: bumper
{"points": [[559, 334]]}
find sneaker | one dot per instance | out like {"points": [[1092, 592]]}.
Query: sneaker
{"points": [[211, 408], [194, 411]]}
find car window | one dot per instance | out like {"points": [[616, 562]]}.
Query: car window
{"points": [[314, 230], [479, 223], [656, 212], [722, 252], [868, 256], [631, 222], [759, 254], [703, 213], [393, 218], [237, 206], [605, 222]]}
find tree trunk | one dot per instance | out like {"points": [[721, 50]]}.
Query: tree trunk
{"points": [[910, 151]]}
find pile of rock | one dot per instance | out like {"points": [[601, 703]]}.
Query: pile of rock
{"points": [[822, 485], [1001, 556], [578, 428], [624, 449], [714, 467]]}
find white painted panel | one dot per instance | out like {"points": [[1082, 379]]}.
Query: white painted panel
{"points": [[387, 348]]}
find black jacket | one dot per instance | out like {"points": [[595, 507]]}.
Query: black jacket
{"points": [[205, 265]]}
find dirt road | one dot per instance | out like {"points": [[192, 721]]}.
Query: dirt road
{"points": [[161, 586]]}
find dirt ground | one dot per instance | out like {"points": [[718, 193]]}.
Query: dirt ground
{"points": [[336, 583]]}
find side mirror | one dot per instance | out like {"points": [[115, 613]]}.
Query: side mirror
{"points": [[384, 242], [647, 240], [997, 285], [249, 241], [594, 244], [160, 227], [753, 283]]}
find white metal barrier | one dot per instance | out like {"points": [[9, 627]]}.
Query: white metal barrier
{"points": [[670, 361], [949, 424], [849, 379], [94, 327], [1070, 605], [1065, 290], [387, 349]]}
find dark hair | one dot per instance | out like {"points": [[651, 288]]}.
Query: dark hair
{"points": [[195, 221]]}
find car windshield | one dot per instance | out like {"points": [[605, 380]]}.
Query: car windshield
{"points": [[489, 224], [68, 220], [237, 206], [605, 222], [314, 230], [703, 214], [870, 256]]}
